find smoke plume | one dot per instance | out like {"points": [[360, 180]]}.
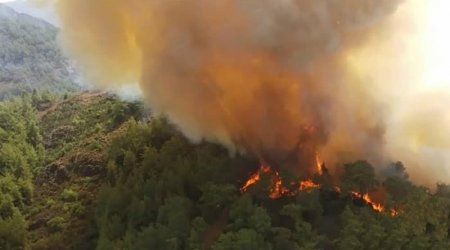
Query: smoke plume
{"points": [[263, 76]]}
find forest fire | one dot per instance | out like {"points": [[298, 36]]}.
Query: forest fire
{"points": [[368, 200], [255, 177], [278, 190], [308, 184], [375, 206]]}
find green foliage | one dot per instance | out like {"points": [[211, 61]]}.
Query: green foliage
{"points": [[75, 209], [358, 176], [57, 223], [69, 195], [198, 230], [352, 229], [13, 232], [82, 121], [241, 240], [155, 178], [20, 147]]}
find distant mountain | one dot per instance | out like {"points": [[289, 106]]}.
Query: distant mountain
{"points": [[30, 57], [44, 12]]}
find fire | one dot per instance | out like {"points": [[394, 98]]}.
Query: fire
{"points": [[308, 184], [254, 178], [376, 206], [278, 190], [319, 164]]}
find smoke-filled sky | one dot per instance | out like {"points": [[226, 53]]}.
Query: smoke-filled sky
{"points": [[349, 79]]}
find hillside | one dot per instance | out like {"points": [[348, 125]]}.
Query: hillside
{"points": [[90, 171], [51, 166], [30, 57]]}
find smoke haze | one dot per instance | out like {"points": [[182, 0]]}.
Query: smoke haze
{"points": [[281, 79]]}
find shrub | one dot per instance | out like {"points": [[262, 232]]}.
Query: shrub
{"points": [[69, 195], [57, 223]]}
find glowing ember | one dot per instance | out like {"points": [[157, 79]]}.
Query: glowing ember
{"points": [[394, 212]]}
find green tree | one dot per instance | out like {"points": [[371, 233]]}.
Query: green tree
{"points": [[374, 233], [196, 237], [283, 239], [243, 239], [13, 232], [358, 176], [350, 234], [176, 215], [302, 232]]}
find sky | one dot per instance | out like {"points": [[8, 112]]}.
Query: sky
{"points": [[46, 13]]}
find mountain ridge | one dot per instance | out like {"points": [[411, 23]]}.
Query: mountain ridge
{"points": [[44, 12], [30, 56], [7, 11]]}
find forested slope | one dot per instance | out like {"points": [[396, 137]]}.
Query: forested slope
{"points": [[90, 171], [30, 57]]}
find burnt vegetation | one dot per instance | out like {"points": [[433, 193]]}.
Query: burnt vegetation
{"points": [[89, 171]]}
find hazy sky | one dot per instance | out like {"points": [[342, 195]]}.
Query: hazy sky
{"points": [[23, 6]]}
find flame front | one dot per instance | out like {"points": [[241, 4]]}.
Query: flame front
{"points": [[308, 184], [254, 178], [278, 190], [376, 206]]}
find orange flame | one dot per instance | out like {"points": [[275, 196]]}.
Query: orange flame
{"points": [[308, 184], [254, 178], [277, 189], [319, 164], [375, 206]]}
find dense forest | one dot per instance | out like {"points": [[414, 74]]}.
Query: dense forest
{"points": [[30, 57], [90, 171]]}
